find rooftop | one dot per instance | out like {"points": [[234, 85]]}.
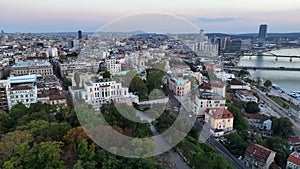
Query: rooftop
{"points": [[219, 113], [295, 140], [258, 151], [294, 158], [23, 79], [256, 116], [32, 63]]}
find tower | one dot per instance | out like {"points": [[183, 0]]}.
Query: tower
{"points": [[262, 34], [79, 34]]}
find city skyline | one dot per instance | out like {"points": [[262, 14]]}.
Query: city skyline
{"points": [[214, 16]]}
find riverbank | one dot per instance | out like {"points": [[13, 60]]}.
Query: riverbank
{"points": [[287, 80]]}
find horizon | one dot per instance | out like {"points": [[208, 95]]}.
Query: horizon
{"points": [[90, 32], [230, 17]]}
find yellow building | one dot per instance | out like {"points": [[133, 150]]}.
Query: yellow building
{"points": [[220, 120], [180, 86]]}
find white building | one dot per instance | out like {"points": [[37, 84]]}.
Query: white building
{"points": [[112, 65], [22, 89], [208, 100], [53, 52], [245, 96], [97, 92]]}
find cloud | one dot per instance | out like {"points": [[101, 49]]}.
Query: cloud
{"points": [[215, 20]]}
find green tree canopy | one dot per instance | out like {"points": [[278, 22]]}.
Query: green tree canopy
{"points": [[106, 74], [44, 155], [281, 127], [45, 129], [236, 144], [252, 107], [268, 83]]}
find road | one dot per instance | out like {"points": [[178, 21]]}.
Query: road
{"points": [[208, 138], [218, 146], [282, 112]]}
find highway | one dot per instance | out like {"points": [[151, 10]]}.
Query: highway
{"points": [[280, 111]]}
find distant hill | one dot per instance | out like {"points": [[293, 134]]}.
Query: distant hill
{"points": [[252, 35]]}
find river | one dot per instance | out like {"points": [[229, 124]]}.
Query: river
{"points": [[287, 80]]}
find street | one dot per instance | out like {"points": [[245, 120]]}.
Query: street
{"points": [[278, 109], [206, 136]]}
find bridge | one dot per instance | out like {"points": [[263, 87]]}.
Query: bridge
{"points": [[260, 68], [265, 53]]}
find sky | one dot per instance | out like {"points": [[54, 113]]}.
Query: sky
{"points": [[224, 16]]}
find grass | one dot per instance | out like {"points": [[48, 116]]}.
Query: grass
{"points": [[279, 101]]}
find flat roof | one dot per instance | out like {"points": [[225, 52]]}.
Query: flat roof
{"points": [[23, 79]]}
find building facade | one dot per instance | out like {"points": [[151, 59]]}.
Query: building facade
{"points": [[3, 95], [22, 89], [179, 86], [41, 67], [112, 65], [258, 157], [219, 119], [293, 162], [100, 91]]}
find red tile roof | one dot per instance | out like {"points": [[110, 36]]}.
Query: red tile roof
{"points": [[261, 117], [293, 158], [258, 151], [295, 140], [219, 113]]}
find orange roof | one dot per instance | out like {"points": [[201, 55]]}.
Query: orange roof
{"points": [[219, 113], [258, 151], [293, 158]]}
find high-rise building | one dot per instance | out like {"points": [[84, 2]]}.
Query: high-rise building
{"points": [[262, 34], [233, 46], [262, 31], [79, 34]]}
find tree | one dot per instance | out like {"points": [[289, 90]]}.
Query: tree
{"points": [[44, 155], [138, 86], [106, 74], [154, 79], [72, 119], [236, 144], [252, 107], [66, 83], [5, 122], [280, 146], [132, 163], [10, 141], [240, 123], [77, 78], [17, 111], [74, 136], [243, 73], [86, 155], [281, 127], [267, 83], [45, 129]]}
